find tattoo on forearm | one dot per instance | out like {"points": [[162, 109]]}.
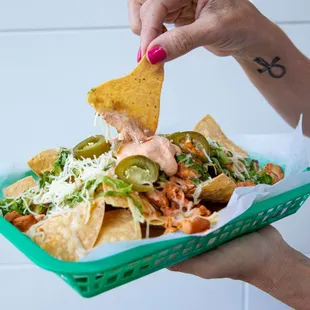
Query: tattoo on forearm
{"points": [[274, 69]]}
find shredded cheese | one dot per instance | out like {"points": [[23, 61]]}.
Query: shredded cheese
{"points": [[71, 183], [96, 119], [198, 190], [137, 216]]}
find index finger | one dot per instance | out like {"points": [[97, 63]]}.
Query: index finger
{"points": [[152, 15], [134, 16]]}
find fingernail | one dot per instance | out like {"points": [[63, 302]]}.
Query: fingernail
{"points": [[156, 54], [139, 55]]}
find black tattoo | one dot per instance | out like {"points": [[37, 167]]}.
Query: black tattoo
{"points": [[269, 67]]}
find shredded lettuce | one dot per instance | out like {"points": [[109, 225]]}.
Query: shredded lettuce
{"points": [[196, 181], [121, 189], [18, 205], [60, 161], [121, 186], [47, 176]]}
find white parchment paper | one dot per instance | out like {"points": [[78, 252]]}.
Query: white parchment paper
{"points": [[288, 150]]}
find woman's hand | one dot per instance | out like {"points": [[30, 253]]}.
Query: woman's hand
{"points": [[224, 27], [262, 259], [245, 258]]}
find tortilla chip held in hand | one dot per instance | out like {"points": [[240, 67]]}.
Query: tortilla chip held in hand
{"points": [[136, 95]]}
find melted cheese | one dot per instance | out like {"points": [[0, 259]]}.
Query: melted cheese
{"points": [[198, 191]]}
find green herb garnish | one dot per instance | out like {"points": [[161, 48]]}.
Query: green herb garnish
{"points": [[60, 162]]}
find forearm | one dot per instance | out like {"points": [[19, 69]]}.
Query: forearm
{"points": [[286, 85], [287, 279]]}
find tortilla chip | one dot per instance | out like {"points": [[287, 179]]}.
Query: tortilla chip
{"points": [[136, 95], [89, 233], [44, 161], [16, 189], [208, 127], [118, 225], [151, 215], [115, 201], [149, 212], [69, 236], [218, 190]]}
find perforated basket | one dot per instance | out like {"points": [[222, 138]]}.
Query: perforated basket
{"points": [[93, 278]]}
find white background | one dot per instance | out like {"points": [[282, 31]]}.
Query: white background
{"points": [[52, 53]]}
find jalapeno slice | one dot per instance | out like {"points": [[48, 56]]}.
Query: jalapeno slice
{"points": [[192, 142], [91, 147], [139, 171]]}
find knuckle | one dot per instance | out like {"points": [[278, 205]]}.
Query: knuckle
{"points": [[144, 10], [136, 29], [181, 41]]}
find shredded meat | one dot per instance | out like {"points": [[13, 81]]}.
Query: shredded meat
{"points": [[245, 183], [186, 172], [201, 210], [158, 199], [275, 172], [11, 216], [23, 223], [170, 230], [190, 146], [185, 185], [175, 203], [194, 225], [171, 211], [177, 196]]}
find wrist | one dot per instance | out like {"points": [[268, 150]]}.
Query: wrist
{"points": [[285, 276], [271, 269], [266, 40]]}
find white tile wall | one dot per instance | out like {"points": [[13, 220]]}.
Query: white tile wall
{"points": [[60, 14], [44, 78]]}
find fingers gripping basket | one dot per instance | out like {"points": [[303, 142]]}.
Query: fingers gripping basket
{"points": [[93, 278]]}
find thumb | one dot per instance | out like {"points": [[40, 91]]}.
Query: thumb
{"points": [[177, 42]]}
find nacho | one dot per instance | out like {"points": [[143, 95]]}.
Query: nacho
{"points": [[136, 95], [208, 127], [130, 190], [89, 233], [120, 201], [43, 161], [16, 189], [118, 225], [218, 189], [69, 236]]}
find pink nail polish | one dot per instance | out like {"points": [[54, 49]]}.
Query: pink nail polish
{"points": [[156, 54], [139, 55]]}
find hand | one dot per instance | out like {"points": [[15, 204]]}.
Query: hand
{"points": [[224, 27], [245, 258]]}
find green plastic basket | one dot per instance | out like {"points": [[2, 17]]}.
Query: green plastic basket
{"points": [[93, 278]]}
